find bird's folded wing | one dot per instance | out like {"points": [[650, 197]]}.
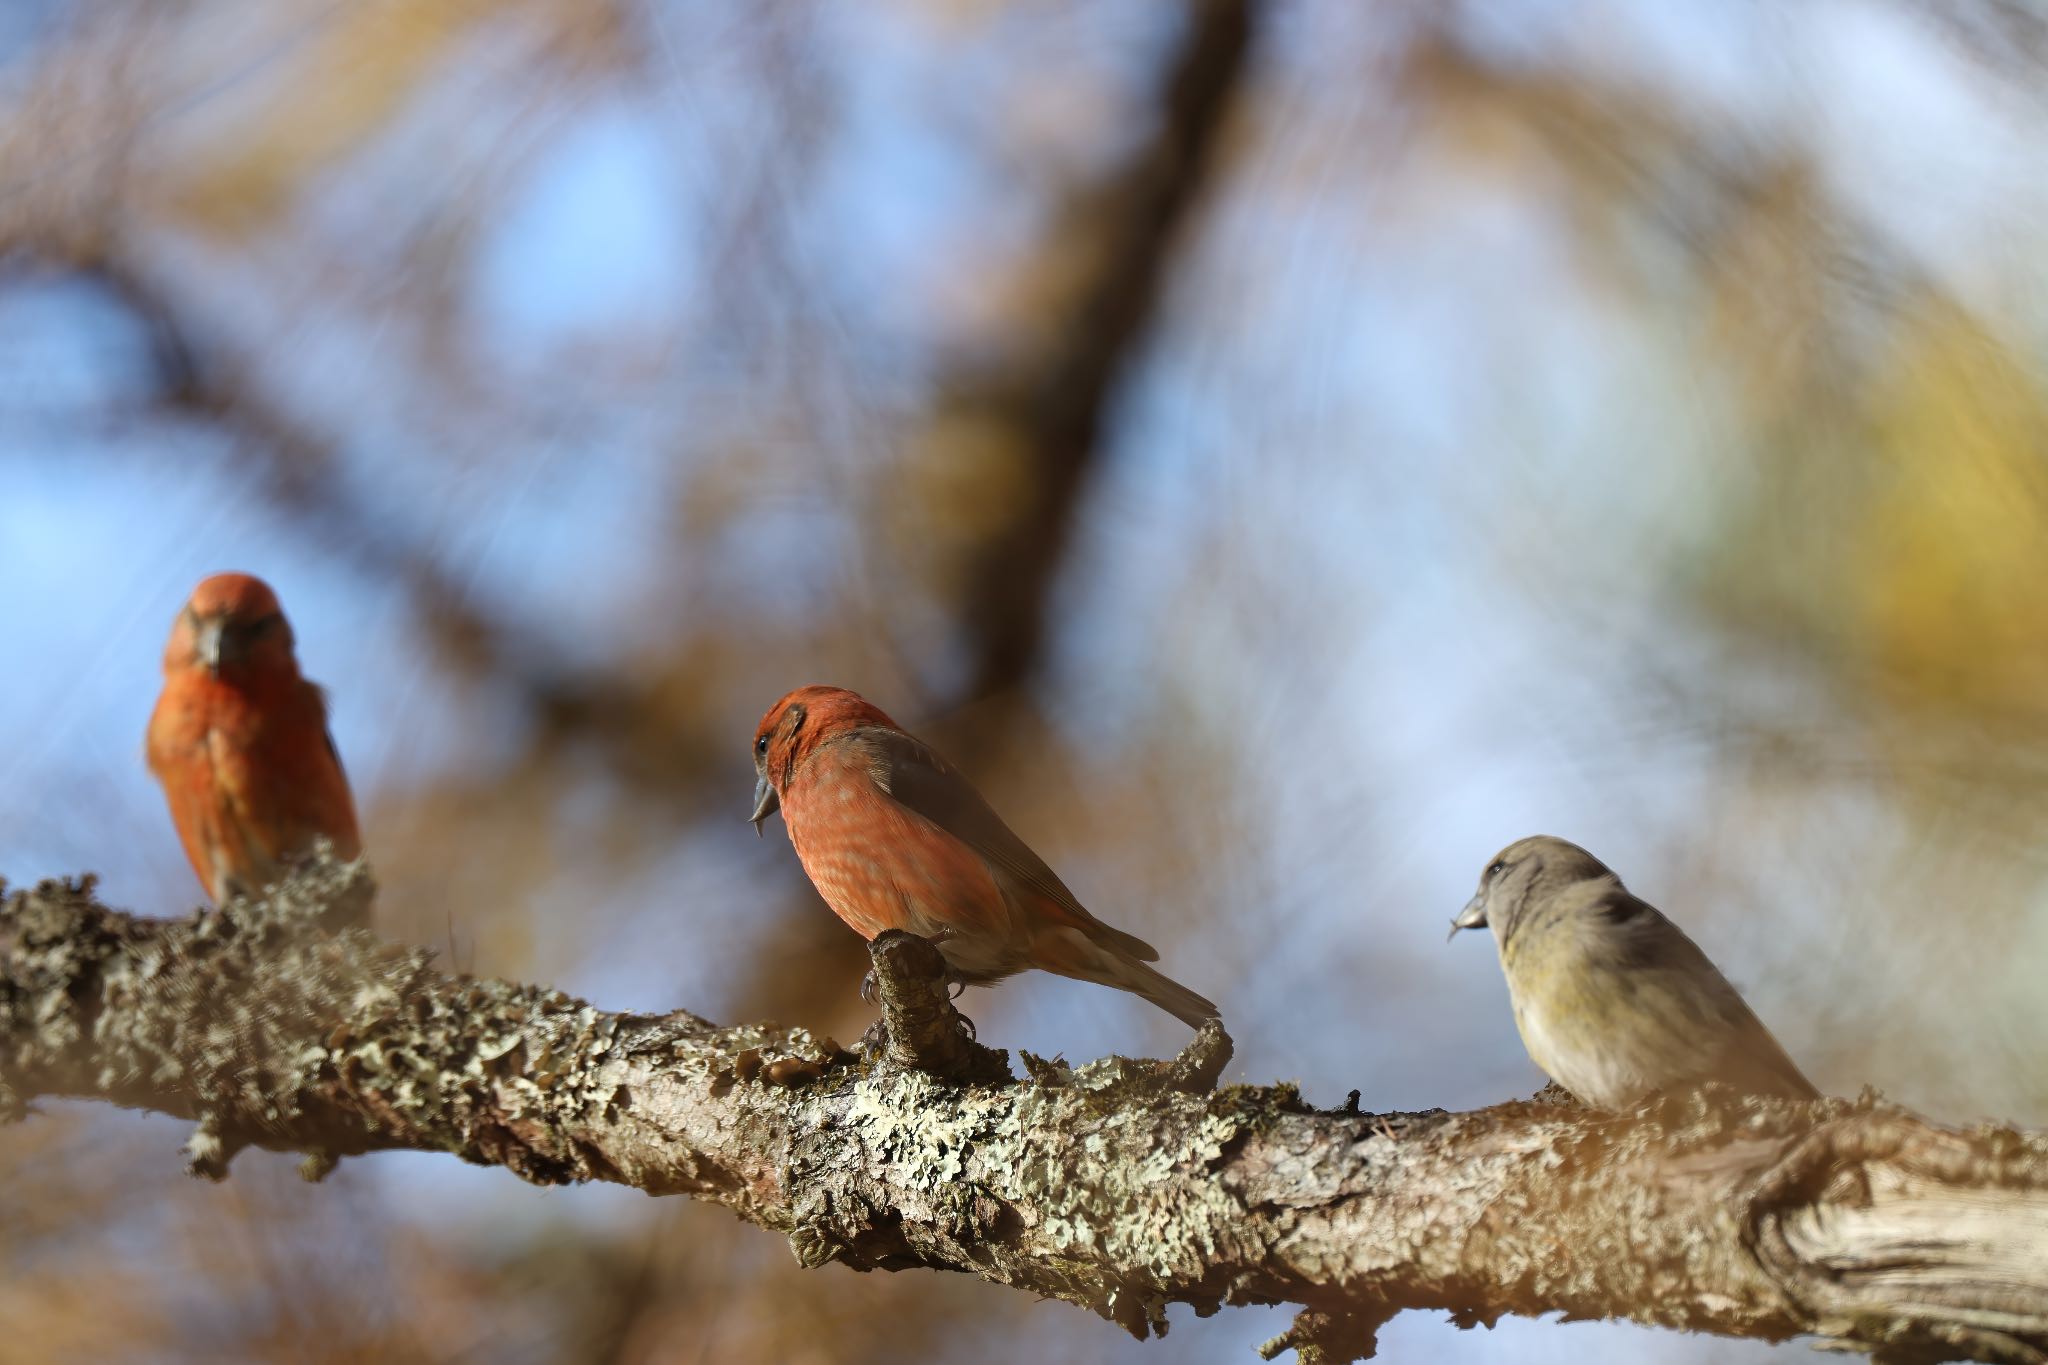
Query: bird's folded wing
{"points": [[1750, 1058], [922, 782]]}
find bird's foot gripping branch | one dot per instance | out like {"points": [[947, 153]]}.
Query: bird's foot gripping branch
{"points": [[1121, 1185]]}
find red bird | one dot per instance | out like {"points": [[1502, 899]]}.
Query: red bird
{"points": [[239, 741], [894, 838]]}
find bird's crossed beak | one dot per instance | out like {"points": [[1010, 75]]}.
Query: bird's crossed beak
{"points": [[1473, 916], [212, 632], [765, 801]]}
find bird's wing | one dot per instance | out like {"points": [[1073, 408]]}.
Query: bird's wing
{"points": [[921, 781], [1747, 1056], [1754, 1061], [333, 809], [283, 782], [318, 696]]}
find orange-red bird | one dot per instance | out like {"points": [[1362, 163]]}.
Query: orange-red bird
{"points": [[239, 741], [894, 838]]}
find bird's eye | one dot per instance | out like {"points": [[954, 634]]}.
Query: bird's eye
{"points": [[761, 746], [1499, 866]]}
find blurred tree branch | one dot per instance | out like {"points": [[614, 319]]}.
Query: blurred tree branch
{"points": [[630, 724], [1108, 1185], [1109, 245], [1107, 256], [1024, 431]]}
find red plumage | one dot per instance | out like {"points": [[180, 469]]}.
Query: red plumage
{"points": [[894, 838], [239, 742]]}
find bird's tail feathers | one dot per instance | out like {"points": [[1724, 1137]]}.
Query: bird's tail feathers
{"points": [[1068, 952], [1121, 943]]}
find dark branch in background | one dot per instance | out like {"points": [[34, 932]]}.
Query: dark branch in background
{"points": [[641, 738], [1115, 241], [1108, 1185], [1054, 401], [2007, 37], [1122, 233]]}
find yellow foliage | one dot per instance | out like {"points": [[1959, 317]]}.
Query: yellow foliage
{"points": [[1949, 577], [352, 79]]}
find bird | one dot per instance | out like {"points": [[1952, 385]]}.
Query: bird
{"points": [[239, 742], [1612, 999], [894, 837]]}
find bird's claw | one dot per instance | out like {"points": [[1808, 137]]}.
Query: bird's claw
{"points": [[874, 1044]]}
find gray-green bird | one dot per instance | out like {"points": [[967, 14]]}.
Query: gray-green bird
{"points": [[1612, 999]]}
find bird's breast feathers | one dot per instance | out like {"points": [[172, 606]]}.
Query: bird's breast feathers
{"points": [[880, 865]]}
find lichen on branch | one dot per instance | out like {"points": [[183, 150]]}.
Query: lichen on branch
{"points": [[1122, 1185]]}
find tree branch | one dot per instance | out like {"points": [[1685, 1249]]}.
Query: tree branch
{"points": [[919, 1027], [1109, 1185], [1117, 242]]}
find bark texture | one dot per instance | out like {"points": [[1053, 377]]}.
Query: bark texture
{"points": [[1122, 1185]]}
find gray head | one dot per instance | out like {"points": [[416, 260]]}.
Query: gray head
{"points": [[1528, 873]]}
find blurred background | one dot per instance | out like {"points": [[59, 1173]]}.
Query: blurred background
{"points": [[1283, 452]]}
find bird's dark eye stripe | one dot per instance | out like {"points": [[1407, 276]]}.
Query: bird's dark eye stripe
{"points": [[262, 625]]}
